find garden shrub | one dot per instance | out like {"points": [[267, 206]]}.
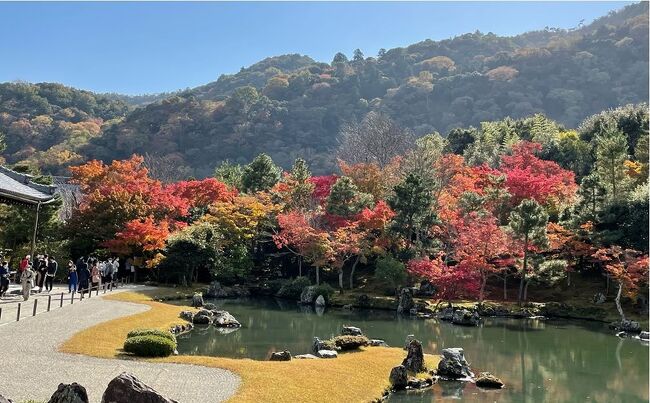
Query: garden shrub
{"points": [[346, 343], [325, 290], [390, 272], [151, 332], [149, 346], [293, 289]]}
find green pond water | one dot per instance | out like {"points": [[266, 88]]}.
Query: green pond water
{"points": [[539, 360]]}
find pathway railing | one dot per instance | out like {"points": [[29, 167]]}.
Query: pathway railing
{"points": [[75, 295]]}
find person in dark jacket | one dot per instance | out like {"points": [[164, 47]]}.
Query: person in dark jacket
{"points": [[83, 274], [4, 278], [73, 280], [52, 267]]}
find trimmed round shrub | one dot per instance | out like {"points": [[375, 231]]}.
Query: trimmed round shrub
{"points": [[293, 289], [149, 346], [151, 332], [346, 343], [391, 273], [325, 290]]}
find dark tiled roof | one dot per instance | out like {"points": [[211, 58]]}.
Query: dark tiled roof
{"points": [[19, 187]]}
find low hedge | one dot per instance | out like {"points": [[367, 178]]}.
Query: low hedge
{"points": [[293, 289], [346, 343], [149, 346], [151, 332]]}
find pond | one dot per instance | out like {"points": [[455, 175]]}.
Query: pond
{"points": [[539, 360]]}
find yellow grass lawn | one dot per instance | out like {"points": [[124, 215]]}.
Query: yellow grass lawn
{"points": [[353, 377]]}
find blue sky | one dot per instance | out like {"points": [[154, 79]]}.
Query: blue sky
{"points": [[136, 48]]}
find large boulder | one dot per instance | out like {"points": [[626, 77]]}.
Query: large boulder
{"points": [[644, 335], [5, 400], [319, 344], [127, 388], [202, 317], [453, 364], [327, 354], [308, 294], [487, 380], [351, 331], [414, 360], [281, 356], [465, 317], [405, 301], [225, 319], [210, 306], [69, 393], [447, 313], [320, 301], [627, 326], [197, 300], [398, 377], [187, 315], [378, 343]]}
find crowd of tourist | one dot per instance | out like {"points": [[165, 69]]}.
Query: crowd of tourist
{"points": [[82, 275]]}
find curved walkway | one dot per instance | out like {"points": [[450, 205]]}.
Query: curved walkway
{"points": [[32, 368]]}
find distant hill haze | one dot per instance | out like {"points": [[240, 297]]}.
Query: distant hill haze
{"points": [[289, 106]]}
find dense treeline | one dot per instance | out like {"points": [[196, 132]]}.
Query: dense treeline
{"points": [[523, 201], [291, 106]]}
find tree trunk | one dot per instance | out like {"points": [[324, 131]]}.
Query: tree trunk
{"points": [[607, 286], [523, 274], [317, 275], [526, 291], [505, 287], [341, 278], [299, 266], [618, 301], [354, 266], [568, 279], [480, 295]]}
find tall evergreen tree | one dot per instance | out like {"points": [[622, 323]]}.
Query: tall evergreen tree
{"points": [[611, 153], [528, 224], [261, 174], [412, 204]]}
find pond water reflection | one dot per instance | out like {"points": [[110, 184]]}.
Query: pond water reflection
{"points": [[540, 361]]}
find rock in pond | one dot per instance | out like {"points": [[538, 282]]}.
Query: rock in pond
{"points": [[319, 344], [308, 295], [305, 357], [351, 331], [197, 300], [225, 319], [398, 377], [487, 380], [69, 393], [378, 343], [417, 383], [464, 317], [453, 364], [414, 360], [210, 306], [127, 388], [627, 326], [5, 400], [644, 335], [327, 354], [187, 315], [405, 301], [281, 356], [320, 301], [202, 317], [446, 314]]}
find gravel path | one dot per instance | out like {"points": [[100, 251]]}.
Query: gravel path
{"points": [[32, 368]]}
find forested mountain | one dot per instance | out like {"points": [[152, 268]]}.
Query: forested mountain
{"points": [[291, 105]]}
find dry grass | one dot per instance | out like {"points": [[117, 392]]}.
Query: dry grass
{"points": [[353, 377]]}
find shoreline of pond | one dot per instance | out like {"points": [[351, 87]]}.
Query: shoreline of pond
{"points": [[427, 309]]}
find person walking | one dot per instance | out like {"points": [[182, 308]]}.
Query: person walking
{"points": [[4, 278], [27, 282], [41, 271], [52, 267], [83, 274], [73, 280], [95, 275]]}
